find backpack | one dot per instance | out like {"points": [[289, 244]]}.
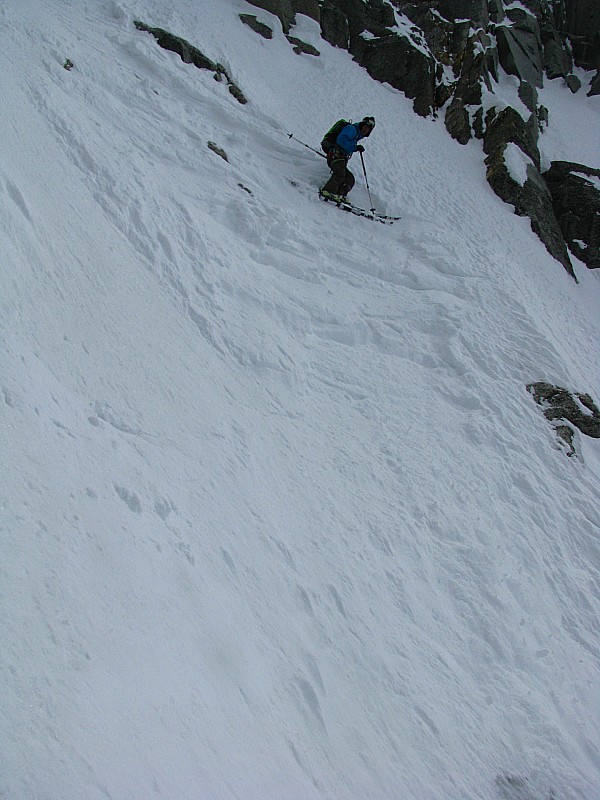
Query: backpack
{"points": [[330, 137]]}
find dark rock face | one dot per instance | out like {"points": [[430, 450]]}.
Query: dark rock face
{"points": [[191, 55], [561, 406], [477, 67], [556, 59], [394, 60], [575, 191], [582, 24], [334, 25], [520, 46]]}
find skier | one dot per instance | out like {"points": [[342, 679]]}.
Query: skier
{"points": [[339, 150]]}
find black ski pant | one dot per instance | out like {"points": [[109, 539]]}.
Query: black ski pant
{"points": [[342, 180]]}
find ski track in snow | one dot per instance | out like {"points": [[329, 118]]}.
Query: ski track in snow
{"points": [[281, 518]]}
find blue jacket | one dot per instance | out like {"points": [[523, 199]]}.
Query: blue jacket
{"points": [[348, 138]]}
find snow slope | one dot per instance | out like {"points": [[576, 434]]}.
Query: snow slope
{"points": [[279, 517]]}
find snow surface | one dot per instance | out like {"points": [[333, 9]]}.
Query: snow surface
{"points": [[516, 163], [279, 517]]}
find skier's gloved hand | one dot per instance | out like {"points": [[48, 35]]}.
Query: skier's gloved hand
{"points": [[360, 148]]}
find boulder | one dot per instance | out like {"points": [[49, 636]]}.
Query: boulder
{"points": [[595, 85], [573, 83], [575, 192]]}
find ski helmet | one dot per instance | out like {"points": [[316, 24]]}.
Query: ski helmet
{"points": [[368, 122]]}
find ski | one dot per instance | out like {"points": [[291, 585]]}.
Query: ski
{"points": [[346, 205]]}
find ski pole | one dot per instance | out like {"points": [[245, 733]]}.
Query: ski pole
{"points": [[367, 182], [291, 136]]}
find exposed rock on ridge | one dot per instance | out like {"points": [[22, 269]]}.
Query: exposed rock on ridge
{"points": [[575, 192], [561, 406]]}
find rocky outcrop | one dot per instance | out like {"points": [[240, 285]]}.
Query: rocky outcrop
{"points": [[476, 66], [191, 55], [301, 47], [218, 150], [575, 192], [561, 407], [526, 191], [258, 27]]}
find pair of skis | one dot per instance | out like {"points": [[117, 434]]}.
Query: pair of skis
{"points": [[346, 205]]}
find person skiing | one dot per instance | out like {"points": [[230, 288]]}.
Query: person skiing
{"points": [[339, 153]]}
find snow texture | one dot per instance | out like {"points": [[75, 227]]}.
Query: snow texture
{"points": [[279, 517], [516, 163]]}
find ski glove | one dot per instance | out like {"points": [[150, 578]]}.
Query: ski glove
{"points": [[360, 148]]}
